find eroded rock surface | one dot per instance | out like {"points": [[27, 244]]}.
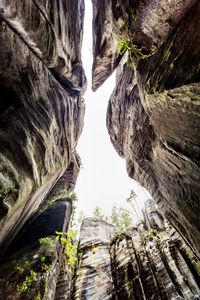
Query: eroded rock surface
{"points": [[42, 110], [148, 22], [34, 268], [153, 114], [145, 262], [93, 275]]}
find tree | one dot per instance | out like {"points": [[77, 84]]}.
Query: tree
{"points": [[99, 214], [132, 196], [81, 217], [120, 217]]}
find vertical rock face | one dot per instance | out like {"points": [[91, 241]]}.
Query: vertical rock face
{"points": [[149, 23], [93, 276], [149, 263], [42, 110], [153, 114], [33, 270]]}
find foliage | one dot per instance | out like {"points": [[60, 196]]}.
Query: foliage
{"points": [[70, 247], [27, 283], [99, 214], [18, 268], [74, 199], [123, 45], [126, 43], [65, 194], [45, 267], [68, 239], [120, 217], [81, 217], [4, 195], [148, 235], [42, 258], [47, 243], [132, 196], [62, 194]]}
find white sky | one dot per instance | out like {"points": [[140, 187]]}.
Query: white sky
{"points": [[103, 180]]}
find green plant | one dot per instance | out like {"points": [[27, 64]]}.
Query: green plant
{"points": [[127, 43], [123, 45], [81, 217], [45, 267], [42, 258], [120, 217], [151, 232], [98, 213], [135, 51], [51, 203], [18, 268], [27, 263], [27, 283], [62, 194], [74, 198], [70, 247], [48, 243], [148, 235]]}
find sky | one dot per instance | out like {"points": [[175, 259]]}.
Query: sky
{"points": [[103, 179]]}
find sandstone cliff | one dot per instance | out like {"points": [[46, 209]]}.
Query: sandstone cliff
{"points": [[153, 114], [153, 121], [150, 261], [41, 116], [34, 269]]}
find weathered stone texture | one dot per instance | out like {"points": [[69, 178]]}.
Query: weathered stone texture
{"points": [[149, 23], [93, 275], [31, 254], [153, 114], [149, 263], [42, 110], [53, 31]]}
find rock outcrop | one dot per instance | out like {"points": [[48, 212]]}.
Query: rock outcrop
{"points": [[150, 261], [153, 114], [34, 268], [41, 117], [149, 24], [93, 275]]}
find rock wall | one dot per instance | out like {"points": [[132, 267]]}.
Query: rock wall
{"points": [[153, 114], [150, 261], [93, 278], [35, 266], [41, 116]]}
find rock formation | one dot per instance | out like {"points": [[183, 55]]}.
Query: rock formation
{"points": [[41, 86], [150, 261], [34, 268], [93, 275], [153, 121], [153, 114]]}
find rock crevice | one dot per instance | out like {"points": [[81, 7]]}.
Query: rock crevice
{"points": [[150, 261], [153, 114]]}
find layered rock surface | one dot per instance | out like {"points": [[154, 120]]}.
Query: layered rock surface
{"points": [[93, 275], [149, 24], [153, 114], [146, 262], [42, 110], [34, 268]]}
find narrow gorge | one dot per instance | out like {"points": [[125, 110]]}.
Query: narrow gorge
{"points": [[153, 120]]}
